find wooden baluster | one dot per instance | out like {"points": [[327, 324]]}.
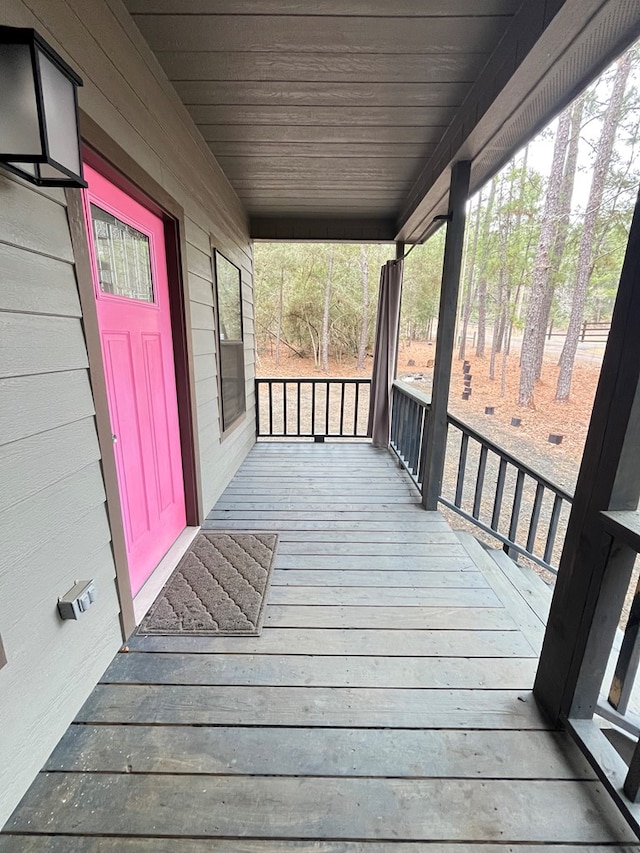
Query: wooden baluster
{"points": [[462, 468], [497, 501], [535, 518]]}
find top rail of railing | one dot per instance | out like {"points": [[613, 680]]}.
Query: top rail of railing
{"points": [[493, 489]]}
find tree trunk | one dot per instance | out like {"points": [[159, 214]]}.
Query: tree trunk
{"points": [[279, 320], [496, 339], [601, 167], [466, 308], [505, 355], [535, 325], [364, 323], [562, 226], [482, 317], [325, 315], [482, 273], [504, 286]]}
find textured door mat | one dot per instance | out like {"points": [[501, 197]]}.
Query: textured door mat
{"points": [[219, 587]]}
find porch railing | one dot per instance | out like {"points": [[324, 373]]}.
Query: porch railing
{"points": [[312, 408], [493, 490], [491, 485], [409, 421]]}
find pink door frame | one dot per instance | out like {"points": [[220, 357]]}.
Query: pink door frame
{"points": [[144, 410]]}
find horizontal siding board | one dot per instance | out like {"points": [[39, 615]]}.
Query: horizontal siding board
{"points": [[293, 67], [204, 366], [31, 221], [355, 8], [334, 35], [196, 236], [59, 507], [319, 94], [204, 341], [199, 262], [347, 169], [200, 289], [327, 134], [201, 316], [33, 404], [32, 344], [319, 149], [435, 118], [38, 462], [37, 284], [206, 392], [78, 556]]}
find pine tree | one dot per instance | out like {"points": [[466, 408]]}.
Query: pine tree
{"points": [[603, 157], [532, 341]]}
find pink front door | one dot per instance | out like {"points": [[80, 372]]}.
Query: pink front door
{"points": [[126, 243]]}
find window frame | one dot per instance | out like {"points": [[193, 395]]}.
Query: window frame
{"points": [[228, 424]]}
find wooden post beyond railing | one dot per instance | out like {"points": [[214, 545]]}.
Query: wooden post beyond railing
{"points": [[435, 438]]}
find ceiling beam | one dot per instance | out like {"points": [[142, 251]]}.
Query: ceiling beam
{"points": [[321, 230]]}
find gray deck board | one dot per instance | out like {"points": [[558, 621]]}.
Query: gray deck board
{"points": [[411, 579], [311, 807], [395, 618], [352, 641], [333, 707], [107, 844], [382, 596], [321, 671], [385, 708], [320, 752], [380, 562]]}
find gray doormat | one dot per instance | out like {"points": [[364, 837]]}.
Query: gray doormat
{"points": [[218, 588]]}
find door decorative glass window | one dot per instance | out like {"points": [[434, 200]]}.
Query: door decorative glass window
{"points": [[123, 256]]}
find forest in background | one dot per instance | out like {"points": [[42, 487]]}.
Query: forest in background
{"points": [[544, 248]]}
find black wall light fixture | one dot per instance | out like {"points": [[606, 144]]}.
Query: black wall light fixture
{"points": [[39, 138]]}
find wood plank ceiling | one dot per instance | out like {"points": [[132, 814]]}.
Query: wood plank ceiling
{"points": [[333, 110]]}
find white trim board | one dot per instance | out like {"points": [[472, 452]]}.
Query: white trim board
{"points": [[161, 574]]}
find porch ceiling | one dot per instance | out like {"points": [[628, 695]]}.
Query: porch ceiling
{"points": [[340, 118]]}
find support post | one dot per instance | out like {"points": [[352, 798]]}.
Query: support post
{"points": [[593, 576], [435, 441], [399, 255]]}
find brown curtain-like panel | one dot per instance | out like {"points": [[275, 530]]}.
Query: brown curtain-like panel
{"points": [[384, 356]]}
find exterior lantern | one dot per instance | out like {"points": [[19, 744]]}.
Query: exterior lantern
{"points": [[39, 138]]}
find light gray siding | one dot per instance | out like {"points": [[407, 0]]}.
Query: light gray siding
{"points": [[53, 516]]}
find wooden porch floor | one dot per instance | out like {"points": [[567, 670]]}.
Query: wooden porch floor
{"points": [[385, 707]]}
